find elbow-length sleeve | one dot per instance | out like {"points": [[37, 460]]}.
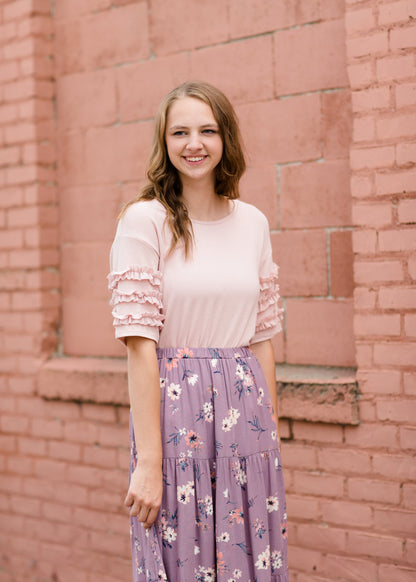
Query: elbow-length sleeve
{"points": [[135, 279], [269, 312]]}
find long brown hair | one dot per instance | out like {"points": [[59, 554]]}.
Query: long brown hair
{"points": [[164, 182]]}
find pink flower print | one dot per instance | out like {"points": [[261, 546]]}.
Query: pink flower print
{"points": [[221, 567], [184, 353], [193, 439], [171, 363], [236, 515]]}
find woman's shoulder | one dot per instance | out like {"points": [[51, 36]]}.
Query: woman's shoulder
{"points": [[143, 212], [251, 213]]}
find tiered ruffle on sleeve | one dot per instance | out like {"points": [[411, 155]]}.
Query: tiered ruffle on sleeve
{"points": [[269, 313], [137, 301]]}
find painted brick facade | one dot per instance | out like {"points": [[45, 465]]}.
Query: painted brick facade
{"points": [[325, 91]]}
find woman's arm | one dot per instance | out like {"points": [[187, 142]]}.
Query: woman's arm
{"points": [[145, 491], [264, 353]]}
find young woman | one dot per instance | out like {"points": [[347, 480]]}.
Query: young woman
{"points": [[195, 299]]}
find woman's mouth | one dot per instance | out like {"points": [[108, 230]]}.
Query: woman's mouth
{"points": [[195, 159]]}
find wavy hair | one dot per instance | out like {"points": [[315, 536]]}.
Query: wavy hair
{"points": [[164, 182]]}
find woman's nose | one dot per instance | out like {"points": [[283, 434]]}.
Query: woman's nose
{"points": [[194, 141]]}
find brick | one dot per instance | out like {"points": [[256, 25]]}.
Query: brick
{"points": [[115, 436], [340, 461], [87, 99], [71, 493], [369, 158], [397, 126], [395, 12], [110, 37], [394, 520], [400, 468], [369, 44], [259, 185], [99, 412], [364, 241], [388, 572], [167, 17], [377, 271], [11, 483], [341, 264], [375, 214], [379, 381], [81, 432], [25, 505], [299, 456], [409, 383], [403, 37], [405, 153], [351, 569], [361, 74], [304, 559], [411, 265], [117, 153], [336, 123], [364, 129], [159, 76], [397, 240], [64, 451], [370, 436], [303, 62], [318, 483], [361, 186], [99, 456], [331, 321], [395, 68], [346, 513], [291, 132], [374, 545], [397, 297], [357, 21], [378, 325], [364, 354], [31, 446], [302, 261], [317, 432], [7, 443], [396, 410], [328, 539], [407, 211], [324, 203], [409, 495], [218, 64], [302, 507], [371, 99], [20, 132], [370, 490], [11, 239], [405, 95], [50, 470], [48, 428], [107, 501], [408, 437], [410, 325], [14, 424]]}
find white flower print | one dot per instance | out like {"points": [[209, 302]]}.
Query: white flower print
{"points": [[276, 560], [237, 573], [210, 574], [169, 534], [196, 550], [184, 492], [174, 391], [226, 425], [225, 493], [272, 503], [214, 363], [234, 415], [224, 537], [263, 559], [274, 435], [163, 382], [208, 505], [230, 420], [161, 575], [239, 372], [193, 379]]}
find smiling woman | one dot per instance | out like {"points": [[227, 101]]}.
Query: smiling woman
{"points": [[195, 299]]}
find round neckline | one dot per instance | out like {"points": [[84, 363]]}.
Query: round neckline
{"points": [[219, 220]]}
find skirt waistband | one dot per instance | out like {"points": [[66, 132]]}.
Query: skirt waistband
{"points": [[208, 353]]}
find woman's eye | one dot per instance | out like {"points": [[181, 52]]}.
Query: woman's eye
{"points": [[179, 132], [209, 131]]}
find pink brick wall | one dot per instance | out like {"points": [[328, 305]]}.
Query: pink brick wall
{"points": [[325, 91]]}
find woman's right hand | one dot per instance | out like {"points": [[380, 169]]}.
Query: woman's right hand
{"points": [[144, 495]]}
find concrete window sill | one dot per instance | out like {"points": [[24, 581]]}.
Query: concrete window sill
{"points": [[310, 393]]}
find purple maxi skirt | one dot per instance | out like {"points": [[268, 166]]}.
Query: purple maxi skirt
{"points": [[223, 512]]}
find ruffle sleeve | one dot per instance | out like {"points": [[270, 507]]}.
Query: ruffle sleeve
{"points": [[269, 312], [135, 279]]}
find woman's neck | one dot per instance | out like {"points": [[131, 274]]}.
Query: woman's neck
{"points": [[203, 203]]}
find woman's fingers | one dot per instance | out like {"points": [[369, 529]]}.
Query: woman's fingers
{"points": [[151, 517]]}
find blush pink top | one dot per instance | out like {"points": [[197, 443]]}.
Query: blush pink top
{"points": [[224, 295]]}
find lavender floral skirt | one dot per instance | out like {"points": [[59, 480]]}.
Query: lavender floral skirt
{"points": [[223, 513]]}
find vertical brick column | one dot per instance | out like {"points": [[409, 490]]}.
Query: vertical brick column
{"points": [[381, 42], [29, 278]]}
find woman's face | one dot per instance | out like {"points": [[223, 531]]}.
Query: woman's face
{"points": [[193, 140]]}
